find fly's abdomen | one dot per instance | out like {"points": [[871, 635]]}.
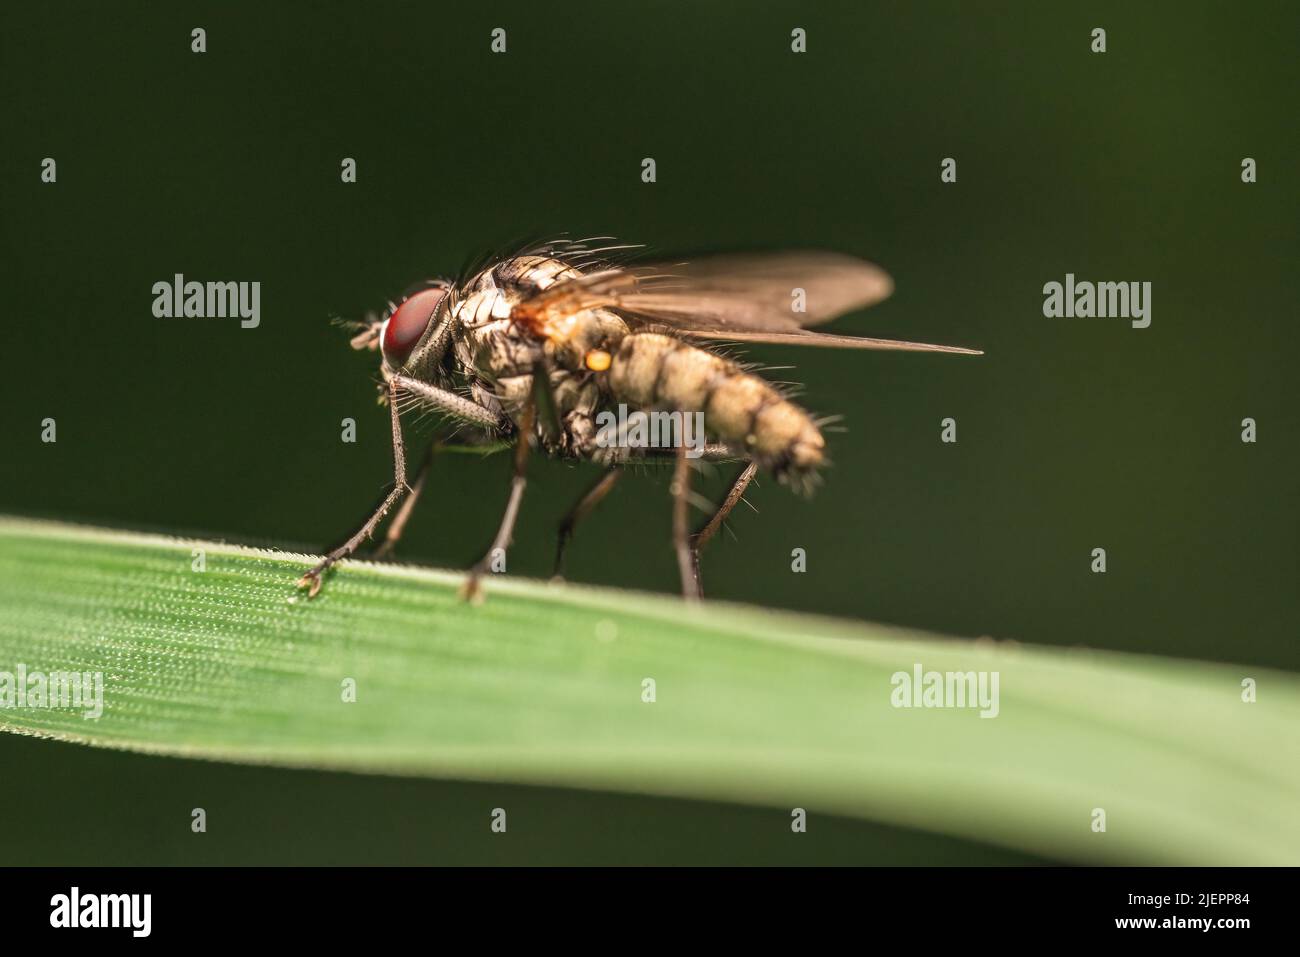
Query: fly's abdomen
{"points": [[653, 371]]}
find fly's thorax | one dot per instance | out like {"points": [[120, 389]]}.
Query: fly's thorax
{"points": [[488, 344], [512, 393], [575, 393], [530, 273], [655, 371], [577, 397], [586, 340]]}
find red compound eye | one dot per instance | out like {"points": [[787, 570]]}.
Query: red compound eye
{"points": [[408, 322]]}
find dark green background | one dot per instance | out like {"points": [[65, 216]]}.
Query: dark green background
{"points": [[1073, 434]]}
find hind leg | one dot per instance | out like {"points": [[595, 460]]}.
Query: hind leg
{"points": [[714, 524]]}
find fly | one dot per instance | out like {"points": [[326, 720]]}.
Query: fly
{"points": [[530, 350]]}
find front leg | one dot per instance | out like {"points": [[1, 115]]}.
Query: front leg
{"points": [[449, 403], [440, 446], [398, 525], [312, 579]]}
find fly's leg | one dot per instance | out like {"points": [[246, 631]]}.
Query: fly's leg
{"points": [[398, 525], [734, 495], [680, 489], [471, 589], [590, 499], [449, 403], [457, 407], [312, 579], [714, 452], [545, 409], [440, 446], [714, 524]]}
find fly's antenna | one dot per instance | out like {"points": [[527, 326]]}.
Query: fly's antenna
{"points": [[365, 332]]}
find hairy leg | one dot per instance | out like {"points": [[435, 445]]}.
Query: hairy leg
{"points": [[714, 524], [398, 525], [312, 579], [716, 453], [449, 403]]}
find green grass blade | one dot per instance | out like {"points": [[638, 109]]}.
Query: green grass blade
{"points": [[543, 684]]}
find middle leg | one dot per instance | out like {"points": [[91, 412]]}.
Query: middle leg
{"points": [[518, 482]]}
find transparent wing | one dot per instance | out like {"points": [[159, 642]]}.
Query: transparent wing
{"points": [[753, 297], [760, 291]]}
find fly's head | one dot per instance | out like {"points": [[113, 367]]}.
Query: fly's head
{"points": [[402, 326]]}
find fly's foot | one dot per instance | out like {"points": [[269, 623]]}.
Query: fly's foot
{"points": [[314, 578], [472, 590], [493, 563]]}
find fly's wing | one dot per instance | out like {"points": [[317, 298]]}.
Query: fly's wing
{"points": [[740, 298], [756, 291]]}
